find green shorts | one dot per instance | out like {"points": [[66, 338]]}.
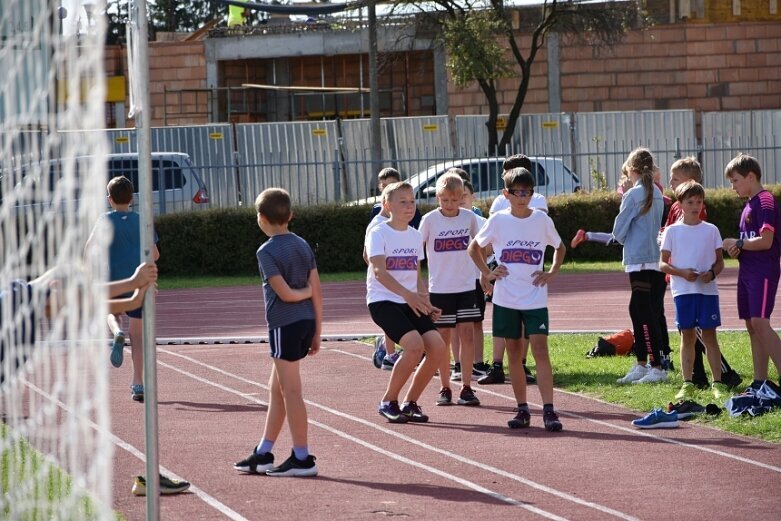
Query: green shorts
{"points": [[507, 322]]}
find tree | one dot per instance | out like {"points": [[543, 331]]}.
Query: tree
{"points": [[483, 46]]}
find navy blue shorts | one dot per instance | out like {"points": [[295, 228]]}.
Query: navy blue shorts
{"points": [[292, 342]]}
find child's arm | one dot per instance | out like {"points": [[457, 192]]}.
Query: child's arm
{"points": [[624, 218], [286, 293], [479, 256], [761, 243], [717, 267], [418, 303], [317, 303], [665, 267], [145, 274], [120, 305], [541, 278]]}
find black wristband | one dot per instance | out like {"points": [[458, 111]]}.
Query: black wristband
{"points": [[713, 273]]}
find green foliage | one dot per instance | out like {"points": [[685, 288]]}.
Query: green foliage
{"points": [[223, 242], [473, 49]]}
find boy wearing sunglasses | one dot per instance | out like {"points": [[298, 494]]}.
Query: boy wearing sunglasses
{"points": [[520, 295]]}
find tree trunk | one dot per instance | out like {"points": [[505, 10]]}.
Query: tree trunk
{"points": [[515, 111], [489, 89]]}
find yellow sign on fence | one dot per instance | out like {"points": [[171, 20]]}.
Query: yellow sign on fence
{"points": [[550, 124], [215, 135], [431, 127], [320, 132]]}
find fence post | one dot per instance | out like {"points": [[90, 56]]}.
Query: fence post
{"points": [[337, 178]]}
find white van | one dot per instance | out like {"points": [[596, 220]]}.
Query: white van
{"points": [[552, 177]]}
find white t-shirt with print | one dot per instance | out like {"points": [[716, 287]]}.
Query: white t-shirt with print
{"points": [[480, 225], [519, 245], [377, 219], [692, 246], [537, 202], [403, 251], [450, 268]]}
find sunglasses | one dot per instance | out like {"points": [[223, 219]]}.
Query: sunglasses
{"points": [[521, 192]]}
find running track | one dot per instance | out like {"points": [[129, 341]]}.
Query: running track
{"points": [[465, 464]]}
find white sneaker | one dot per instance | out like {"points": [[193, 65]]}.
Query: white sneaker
{"points": [[636, 373], [654, 375]]}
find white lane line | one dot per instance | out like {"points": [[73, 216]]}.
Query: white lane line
{"points": [[396, 434], [119, 442]]}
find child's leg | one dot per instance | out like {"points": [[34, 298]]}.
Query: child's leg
{"points": [[275, 417], [600, 237], [390, 347], [499, 345], [444, 365], [478, 340], [713, 351], [114, 324], [412, 343], [455, 347], [435, 349], [539, 345], [765, 346], [464, 333], [688, 339], [289, 379], [136, 330], [517, 375]]}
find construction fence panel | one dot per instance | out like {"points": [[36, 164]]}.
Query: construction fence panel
{"points": [[357, 172], [725, 134], [211, 149], [602, 141], [299, 157], [411, 139]]}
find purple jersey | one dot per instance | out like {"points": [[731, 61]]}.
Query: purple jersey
{"points": [[760, 213]]}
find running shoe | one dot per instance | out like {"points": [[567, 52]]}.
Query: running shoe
{"points": [[686, 393], [637, 372], [389, 361], [521, 421], [445, 396], [686, 409], [653, 376], [392, 413], [413, 412], [455, 374], [118, 349], [255, 463], [295, 467], [495, 375], [379, 351], [720, 392], [480, 369], [167, 486], [467, 397], [551, 421], [657, 419], [137, 392]]}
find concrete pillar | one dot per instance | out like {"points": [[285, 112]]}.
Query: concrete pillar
{"points": [[554, 73], [440, 81], [278, 101]]}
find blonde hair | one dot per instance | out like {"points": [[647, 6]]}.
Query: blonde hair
{"points": [[689, 167], [393, 188], [641, 161], [689, 189], [450, 182]]}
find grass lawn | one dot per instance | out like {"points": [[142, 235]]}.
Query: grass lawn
{"points": [[596, 377]]}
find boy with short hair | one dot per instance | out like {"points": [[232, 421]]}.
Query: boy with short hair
{"points": [[124, 256], [695, 248], [398, 302], [520, 296], [385, 355], [294, 311], [446, 232], [758, 251]]}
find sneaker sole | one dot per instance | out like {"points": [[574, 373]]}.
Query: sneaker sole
{"points": [[473, 403], [518, 425], [387, 367], [259, 469], [295, 473], [554, 428], [413, 419], [444, 404], [661, 425], [395, 419], [118, 354]]}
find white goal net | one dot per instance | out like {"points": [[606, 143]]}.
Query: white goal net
{"points": [[55, 450]]}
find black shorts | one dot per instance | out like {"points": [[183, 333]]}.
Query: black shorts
{"points": [[292, 342], [456, 308], [396, 320], [135, 313]]}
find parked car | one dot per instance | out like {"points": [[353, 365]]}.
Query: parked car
{"points": [[552, 177]]}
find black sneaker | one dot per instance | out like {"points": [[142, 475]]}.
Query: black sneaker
{"points": [[455, 374], [686, 409], [295, 467], [255, 463], [521, 420], [467, 397], [551, 421], [413, 413], [530, 379], [379, 351], [445, 396], [392, 413], [731, 379], [495, 375], [167, 486], [480, 369]]}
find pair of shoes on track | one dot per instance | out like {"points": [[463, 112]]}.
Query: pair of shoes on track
{"points": [[264, 464], [466, 397], [522, 420]]}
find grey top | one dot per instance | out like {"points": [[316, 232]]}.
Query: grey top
{"points": [[291, 257]]}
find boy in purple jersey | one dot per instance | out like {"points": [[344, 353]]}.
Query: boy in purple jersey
{"points": [[758, 250]]}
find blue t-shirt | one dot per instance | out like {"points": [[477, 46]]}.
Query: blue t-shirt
{"points": [[291, 257], [124, 253]]}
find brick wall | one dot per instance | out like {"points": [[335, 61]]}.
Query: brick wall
{"points": [[705, 67]]}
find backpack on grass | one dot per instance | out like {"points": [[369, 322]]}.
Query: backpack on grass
{"points": [[617, 344]]}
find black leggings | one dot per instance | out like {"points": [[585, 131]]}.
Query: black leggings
{"points": [[646, 307]]}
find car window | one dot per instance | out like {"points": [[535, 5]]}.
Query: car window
{"points": [[540, 177], [172, 173], [125, 167]]}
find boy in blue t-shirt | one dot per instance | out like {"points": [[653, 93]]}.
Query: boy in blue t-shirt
{"points": [[294, 311]]}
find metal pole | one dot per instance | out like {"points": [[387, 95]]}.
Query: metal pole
{"points": [[143, 133], [374, 92]]}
